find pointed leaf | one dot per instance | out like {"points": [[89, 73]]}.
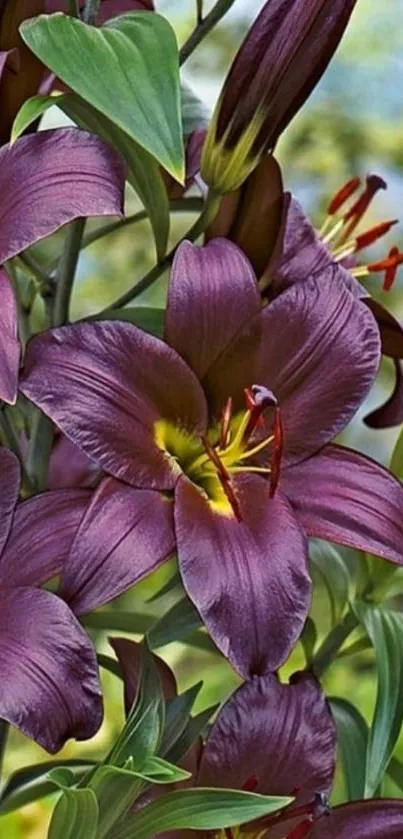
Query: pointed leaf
{"points": [[352, 738], [138, 88], [308, 640], [33, 782], [116, 789], [177, 717], [385, 629], [331, 567], [30, 111], [202, 809], [176, 624], [160, 771], [75, 816], [190, 734]]}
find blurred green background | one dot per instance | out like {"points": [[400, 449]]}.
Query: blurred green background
{"points": [[352, 124]]}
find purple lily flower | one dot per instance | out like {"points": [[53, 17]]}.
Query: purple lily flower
{"points": [[279, 739], [49, 676], [46, 180], [271, 228], [194, 469], [282, 58]]}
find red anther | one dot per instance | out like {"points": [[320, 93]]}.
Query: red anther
{"points": [[250, 784], [301, 830], [217, 462], [249, 399], [390, 273], [342, 195], [277, 454], [373, 234], [225, 423], [354, 215], [394, 259], [258, 398]]}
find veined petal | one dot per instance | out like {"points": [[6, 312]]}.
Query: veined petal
{"points": [[43, 529], [391, 412], [9, 489], [49, 676], [128, 654], [342, 496], [9, 343], [125, 534], [247, 579], [390, 328], [281, 734], [52, 177], [105, 385], [317, 348], [70, 467], [298, 251], [375, 819], [212, 294]]}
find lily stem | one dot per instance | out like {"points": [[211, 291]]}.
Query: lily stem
{"points": [[200, 225], [203, 27], [90, 12], [66, 271], [329, 649]]}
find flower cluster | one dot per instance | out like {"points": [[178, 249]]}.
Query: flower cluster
{"points": [[214, 442]]}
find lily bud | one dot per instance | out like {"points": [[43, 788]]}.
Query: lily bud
{"points": [[279, 63]]}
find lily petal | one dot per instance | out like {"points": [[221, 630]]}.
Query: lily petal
{"points": [[9, 489], [128, 654], [48, 179], [125, 534], [43, 530], [316, 349], [391, 412], [281, 734], [212, 294], [9, 344], [50, 687], [342, 496], [105, 385], [376, 819], [247, 579]]}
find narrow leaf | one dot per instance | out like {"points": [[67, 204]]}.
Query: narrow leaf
{"points": [[176, 624], [352, 736], [128, 70], [177, 717], [385, 629], [190, 734], [198, 809], [332, 569], [34, 782], [75, 816]]}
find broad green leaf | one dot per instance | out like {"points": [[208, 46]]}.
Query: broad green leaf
{"points": [[176, 624], [127, 69], [194, 112], [352, 737], [75, 816], [332, 569], [198, 809], [385, 629], [143, 171], [146, 317], [177, 716], [308, 639], [142, 734], [116, 789], [119, 621], [34, 782]]}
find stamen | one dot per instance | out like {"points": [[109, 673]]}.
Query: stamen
{"points": [[301, 830], [342, 195], [223, 477], [354, 215], [262, 399], [375, 233], [390, 273], [392, 260], [225, 424], [250, 784], [332, 233], [277, 452], [256, 449]]}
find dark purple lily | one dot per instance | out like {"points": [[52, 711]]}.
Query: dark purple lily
{"points": [[217, 447], [46, 180], [49, 676], [279, 739], [271, 228], [282, 58]]}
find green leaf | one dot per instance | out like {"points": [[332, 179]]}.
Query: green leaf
{"points": [[194, 112], [75, 816], [119, 621], [396, 461], [142, 734], [146, 317], [128, 70], [332, 569], [309, 637], [385, 629], [176, 624], [177, 716], [198, 809], [34, 782], [116, 789], [190, 734], [30, 111], [143, 174], [352, 738], [395, 771], [160, 771]]}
